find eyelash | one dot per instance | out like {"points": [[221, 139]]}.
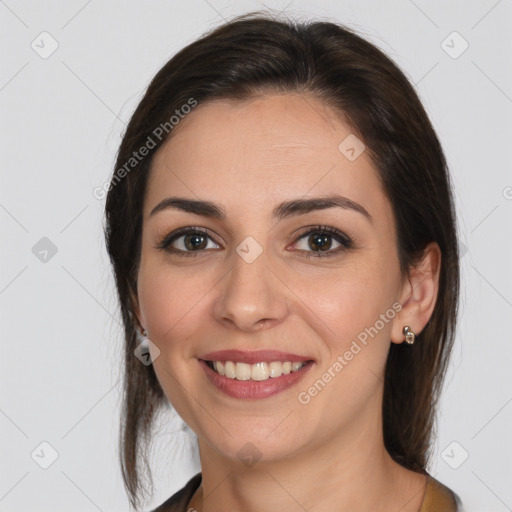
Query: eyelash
{"points": [[345, 241]]}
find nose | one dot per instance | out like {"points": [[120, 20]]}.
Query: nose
{"points": [[251, 296]]}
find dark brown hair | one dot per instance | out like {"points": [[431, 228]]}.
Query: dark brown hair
{"points": [[257, 54]]}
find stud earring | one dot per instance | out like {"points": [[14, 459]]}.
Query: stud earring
{"points": [[410, 337]]}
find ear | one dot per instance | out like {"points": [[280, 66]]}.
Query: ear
{"points": [[418, 294]]}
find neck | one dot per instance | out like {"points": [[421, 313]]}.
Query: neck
{"points": [[353, 471]]}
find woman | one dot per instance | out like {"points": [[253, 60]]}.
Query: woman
{"points": [[283, 237]]}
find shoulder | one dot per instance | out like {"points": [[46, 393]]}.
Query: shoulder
{"points": [[439, 498], [178, 501]]}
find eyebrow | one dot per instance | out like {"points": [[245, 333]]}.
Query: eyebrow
{"points": [[283, 210]]}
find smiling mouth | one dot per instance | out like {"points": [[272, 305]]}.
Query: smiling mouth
{"points": [[260, 371]]}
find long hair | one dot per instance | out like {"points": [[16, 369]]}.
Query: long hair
{"points": [[257, 54]]}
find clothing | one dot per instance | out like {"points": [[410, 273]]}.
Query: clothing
{"points": [[438, 497]]}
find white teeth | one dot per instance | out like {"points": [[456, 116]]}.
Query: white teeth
{"points": [[296, 366], [229, 370], [259, 371], [219, 367], [276, 369], [243, 371]]}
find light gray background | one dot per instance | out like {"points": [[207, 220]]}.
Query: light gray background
{"points": [[61, 120]]}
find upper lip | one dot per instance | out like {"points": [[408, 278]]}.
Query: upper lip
{"points": [[252, 357]]}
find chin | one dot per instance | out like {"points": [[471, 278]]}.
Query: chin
{"points": [[252, 447]]}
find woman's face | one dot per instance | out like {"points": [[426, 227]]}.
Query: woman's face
{"points": [[252, 279]]}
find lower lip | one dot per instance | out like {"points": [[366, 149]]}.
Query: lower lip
{"points": [[252, 388]]}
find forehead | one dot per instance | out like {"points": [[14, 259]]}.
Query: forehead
{"points": [[262, 151]]}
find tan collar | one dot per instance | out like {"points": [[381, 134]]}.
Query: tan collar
{"points": [[438, 497]]}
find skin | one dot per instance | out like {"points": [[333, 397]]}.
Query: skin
{"points": [[248, 157]]}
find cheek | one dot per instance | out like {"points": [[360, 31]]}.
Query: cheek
{"points": [[351, 303], [354, 315], [173, 304]]}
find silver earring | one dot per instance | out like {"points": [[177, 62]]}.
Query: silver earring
{"points": [[410, 337], [145, 333]]}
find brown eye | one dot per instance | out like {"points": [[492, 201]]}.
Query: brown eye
{"points": [[319, 242], [195, 241], [187, 241]]}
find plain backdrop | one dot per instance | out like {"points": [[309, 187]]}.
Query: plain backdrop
{"points": [[71, 75]]}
